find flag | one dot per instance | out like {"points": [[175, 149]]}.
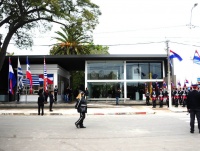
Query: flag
{"points": [[45, 77], [49, 78], [12, 79], [19, 75], [186, 81], [174, 55], [196, 58], [179, 84], [154, 76], [35, 80], [28, 74], [164, 84]]}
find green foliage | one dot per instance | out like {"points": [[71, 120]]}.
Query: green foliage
{"points": [[19, 17]]}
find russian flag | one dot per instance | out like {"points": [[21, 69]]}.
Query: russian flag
{"points": [[12, 79], [28, 72], [174, 55], [196, 58]]}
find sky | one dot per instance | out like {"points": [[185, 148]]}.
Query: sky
{"points": [[142, 27]]}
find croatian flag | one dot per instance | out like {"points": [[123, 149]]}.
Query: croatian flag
{"points": [[196, 58], [19, 75], [186, 81], [45, 77], [28, 72], [12, 79], [174, 55]]}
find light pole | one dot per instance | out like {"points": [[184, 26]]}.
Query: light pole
{"points": [[168, 75], [191, 15]]}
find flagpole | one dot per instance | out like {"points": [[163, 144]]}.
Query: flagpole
{"points": [[17, 75], [8, 79], [26, 78], [168, 75]]}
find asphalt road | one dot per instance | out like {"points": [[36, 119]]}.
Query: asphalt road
{"points": [[153, 132]]}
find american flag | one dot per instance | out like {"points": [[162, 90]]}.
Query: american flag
{"points": [[45, 77]]}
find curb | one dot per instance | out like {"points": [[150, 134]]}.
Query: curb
{"points": [[56, 114]]}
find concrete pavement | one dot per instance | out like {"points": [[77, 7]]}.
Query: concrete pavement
{"points": [[94, 108]]}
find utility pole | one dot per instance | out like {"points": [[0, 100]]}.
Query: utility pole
{"points": [[168, 75]]}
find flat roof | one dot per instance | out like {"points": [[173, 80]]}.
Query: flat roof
{"points": [[77, 62]]}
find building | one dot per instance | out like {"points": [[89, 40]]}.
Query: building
{"points": [[104, 74]]}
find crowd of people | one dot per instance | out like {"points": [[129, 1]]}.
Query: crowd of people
{"points": [[179, 97], [187, 97]]}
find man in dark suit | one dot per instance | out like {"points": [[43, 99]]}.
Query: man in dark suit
{"points": [[193, 106]]}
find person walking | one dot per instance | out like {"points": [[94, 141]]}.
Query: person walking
{"points": [[81, 107], [55, 93], [41, 104], [51, 100], [193, 107], [117, 95]]}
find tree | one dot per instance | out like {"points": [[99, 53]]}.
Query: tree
{"points": [[19, 16]]}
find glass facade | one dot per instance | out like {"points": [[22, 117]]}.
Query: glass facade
{"points": [[103, 78], [105, 70], [137, 70]]}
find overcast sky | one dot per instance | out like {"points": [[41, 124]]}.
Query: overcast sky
{"points": [[142, 26]]}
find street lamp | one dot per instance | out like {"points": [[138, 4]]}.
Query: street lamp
{"points": [[191, 15]]}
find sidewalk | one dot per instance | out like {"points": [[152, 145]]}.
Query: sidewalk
{"points": [[94, 108]]}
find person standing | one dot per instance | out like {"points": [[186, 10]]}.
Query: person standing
{"points": [[160, 96], [193, 107], [40, 103], [81, 106], [147, 97], [46, 95], [117, 95], [51, 101], [18, 94], [154, 98], [55, 93], [86, 94]]}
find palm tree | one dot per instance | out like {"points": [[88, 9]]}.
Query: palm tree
{"points": [[72, 40]]}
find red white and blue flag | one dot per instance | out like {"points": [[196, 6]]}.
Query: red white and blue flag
{"points": [[12, 79], [186, 81], [174, 55], [45, 77], [164, 84], [179, 84], [28, 72], [196, 58]]}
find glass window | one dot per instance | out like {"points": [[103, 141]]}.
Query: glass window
{"points": [[156, 70], [104, 90], [105, 70], [136, 71]]}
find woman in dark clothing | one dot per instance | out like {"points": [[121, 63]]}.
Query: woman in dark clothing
{"points": [[81, 107], [40, 103]]}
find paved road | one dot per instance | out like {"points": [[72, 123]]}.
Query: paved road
{"points": [[152, 132]]}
